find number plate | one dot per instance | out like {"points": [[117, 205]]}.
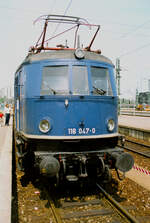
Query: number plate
{"points": [[81, 131]]}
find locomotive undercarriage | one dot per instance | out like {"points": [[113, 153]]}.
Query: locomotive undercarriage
{"points": [[70, 165]]}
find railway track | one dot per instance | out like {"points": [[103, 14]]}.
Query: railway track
{"points": [[135, 113], [40, 203], [137, 147], [44, 204], [95, 208], [70, 207]]}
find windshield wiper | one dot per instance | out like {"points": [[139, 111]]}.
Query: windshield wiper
{"points": [[99, 91], [51, 89]]}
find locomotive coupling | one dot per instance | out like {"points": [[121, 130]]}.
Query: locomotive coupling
{"points": [[49, 166], [123, 161]]}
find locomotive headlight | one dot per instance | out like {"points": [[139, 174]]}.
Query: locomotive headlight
{"points": [[79, 53], [111, 125], [44, 126]]}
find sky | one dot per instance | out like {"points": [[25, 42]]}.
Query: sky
{"points": [[124, 34]]}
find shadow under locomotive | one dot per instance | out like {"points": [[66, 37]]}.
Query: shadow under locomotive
{"points": [[70, 191]]}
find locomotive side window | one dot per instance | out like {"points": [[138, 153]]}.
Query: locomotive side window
{"points": [[55, 80], [80, 80], [100, 81], [16, 87]]}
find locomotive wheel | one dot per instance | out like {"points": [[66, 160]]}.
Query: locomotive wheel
{"points": [[20, 164], [107, 176]]}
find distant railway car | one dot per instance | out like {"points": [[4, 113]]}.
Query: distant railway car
{"points": [[144, 101], [66, 121]]}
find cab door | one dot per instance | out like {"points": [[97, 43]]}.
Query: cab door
{"points": [[18, 100]]}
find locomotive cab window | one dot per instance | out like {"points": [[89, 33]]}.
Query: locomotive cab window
{"points": [[80, 80], [100, 81], [55, 80]]}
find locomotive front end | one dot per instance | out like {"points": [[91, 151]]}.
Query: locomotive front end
{"points": [[67, 117]]}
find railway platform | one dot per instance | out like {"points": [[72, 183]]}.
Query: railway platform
{"points": [[5, 173], [135, 126]]}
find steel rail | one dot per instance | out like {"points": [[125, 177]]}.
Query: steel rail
{"points": [[135, 151], [138, 152], [138, 143], [54, 210], [125, 215], [118, 207], [135, 113]]}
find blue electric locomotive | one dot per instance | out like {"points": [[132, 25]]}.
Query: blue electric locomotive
{"points": [[66, 121]]}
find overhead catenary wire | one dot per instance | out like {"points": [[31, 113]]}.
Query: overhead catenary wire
{"points": [[135, 29], [53, 4], [68, 6], [66, 10], [134, 50]]}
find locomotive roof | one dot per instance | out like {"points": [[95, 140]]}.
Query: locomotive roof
{"points": [[41, 52], [65, 54]]}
